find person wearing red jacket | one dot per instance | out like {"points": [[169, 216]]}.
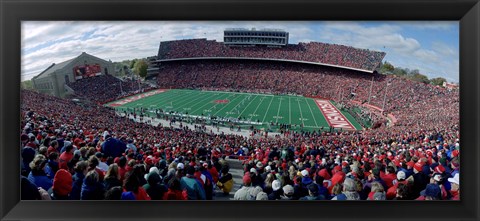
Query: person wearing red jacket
{"points": [[65, 157], [389, 176], [174, 191], [401, 179], [213, 171], [132, 184]]}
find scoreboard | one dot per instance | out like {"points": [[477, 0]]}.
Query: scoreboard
{"points": [[86, 71]]}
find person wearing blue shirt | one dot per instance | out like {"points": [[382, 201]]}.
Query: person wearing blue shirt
{"points": [[37, 175]]}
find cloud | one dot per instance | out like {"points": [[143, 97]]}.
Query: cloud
{"points": [[44, 43], [432, 25]]}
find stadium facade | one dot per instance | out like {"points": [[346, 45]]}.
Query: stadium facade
{"points": [[268, 37], [55, 78]]}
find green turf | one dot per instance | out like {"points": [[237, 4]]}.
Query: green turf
{"points": [[294, 110]]}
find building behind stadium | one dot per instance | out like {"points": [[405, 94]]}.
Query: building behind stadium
{"points": [[55, 78]]}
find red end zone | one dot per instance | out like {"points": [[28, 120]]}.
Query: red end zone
{"points": [[334, 117], [136, 97]]}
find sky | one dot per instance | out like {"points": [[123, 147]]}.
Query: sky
{"points": [[432, 47]]}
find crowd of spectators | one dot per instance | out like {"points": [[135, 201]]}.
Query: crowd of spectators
{"points": [[87, 152], [332, 54], [105, 88], [414, 104]]}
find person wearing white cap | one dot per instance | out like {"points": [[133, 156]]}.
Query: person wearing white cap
{"points": [[277, 190], [287, 193], [180, 166], [268, 170], [256, 179], [304, 173], [455, 189], [180, 170], [259, 165]]}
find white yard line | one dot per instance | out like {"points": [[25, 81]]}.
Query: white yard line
{"points": [[239, 103], [213, 105], [301, 114], [290, 111], [194, 99], [278, 111], [257, 108], [247, 106], [208, 97], [268, 108], [311, 112], [226, 105]]}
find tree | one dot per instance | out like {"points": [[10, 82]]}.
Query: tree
{"points": [[140, 68], [387, 67], [420, 78], [28, 84], [438, 81], [399, 72], [132, 63]]}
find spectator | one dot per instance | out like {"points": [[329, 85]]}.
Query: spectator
{"points": [[81, 169], [114, 193], [288, 193], [37, 175], [112, 147], [133, 189], [377, 192], [225, 183], [174, 191], [193, 187], [244, 192], [154, 186], [268, 185], [392, 191], [262, 196], [313, 193], [92, 188], [52, 165], [455, 190], [29, 191], [66, 156], [420, 180], [62, 185], [101, 164], [112, 178], [431, 192], [349, 191]]}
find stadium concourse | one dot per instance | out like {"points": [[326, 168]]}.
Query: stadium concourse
{"points": [[75, 150]]}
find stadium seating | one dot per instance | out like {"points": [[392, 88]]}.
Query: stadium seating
{"points": [[425, 135], [106, 88], [409, 101], [332, 54]]}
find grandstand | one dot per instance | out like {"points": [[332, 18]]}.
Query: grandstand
{"points": [[314, 53], [414, 127]]}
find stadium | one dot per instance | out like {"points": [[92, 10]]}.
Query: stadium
{"points": [[249, 118]]}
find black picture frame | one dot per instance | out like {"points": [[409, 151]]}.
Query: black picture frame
{"points": [[13, 12]]}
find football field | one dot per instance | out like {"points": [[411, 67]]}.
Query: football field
{"points": [[258, 109]]}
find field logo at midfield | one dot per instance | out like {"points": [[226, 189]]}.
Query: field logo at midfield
{"points": [[221, 101], [136, 98], [333, 116]]}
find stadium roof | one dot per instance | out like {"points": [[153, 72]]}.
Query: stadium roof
{"points": [[254, 29], [52, 68]]}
